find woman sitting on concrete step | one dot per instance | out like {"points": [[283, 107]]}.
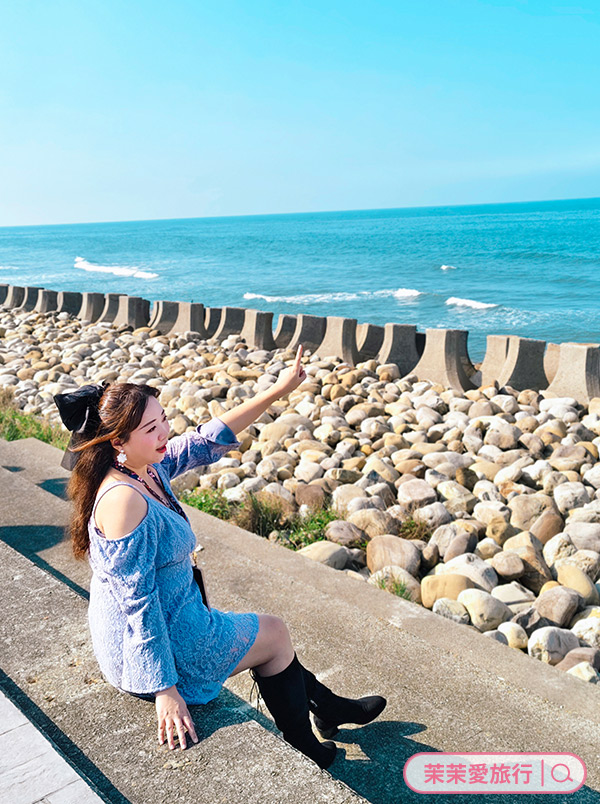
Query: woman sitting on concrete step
{"points": [[152, 633]]}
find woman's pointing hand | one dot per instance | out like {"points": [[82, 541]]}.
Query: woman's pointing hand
{"points": [[291, 377]]}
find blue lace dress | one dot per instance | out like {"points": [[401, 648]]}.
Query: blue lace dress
{"points": [[150, 628]]}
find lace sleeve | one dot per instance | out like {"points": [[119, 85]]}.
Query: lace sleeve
{"points": [[129, 565], [205, 445]]}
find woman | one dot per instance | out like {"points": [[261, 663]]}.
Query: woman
{"points": [[151, 632]]}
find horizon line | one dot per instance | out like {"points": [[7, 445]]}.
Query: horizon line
{"points": [[305, 212]]}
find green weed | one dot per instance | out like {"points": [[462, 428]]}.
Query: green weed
{"points": [[260, 513], [15, 424], [395, 587], [210, 501], [301, 531]]}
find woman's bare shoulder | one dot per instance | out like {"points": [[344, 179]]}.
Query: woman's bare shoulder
{"points": [[120, 510]]}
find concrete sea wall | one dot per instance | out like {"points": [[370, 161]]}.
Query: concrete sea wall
{"points": [[438, 355]]}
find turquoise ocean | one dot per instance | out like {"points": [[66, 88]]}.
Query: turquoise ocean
{"points": [[529, 269]]}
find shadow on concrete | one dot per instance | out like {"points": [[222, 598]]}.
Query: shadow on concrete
{"points": [[56, 486], [371, 758], [70, 752], [375, 759], [29, 540]]}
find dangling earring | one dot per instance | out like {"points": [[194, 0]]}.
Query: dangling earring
{"points": [[121, 458]]}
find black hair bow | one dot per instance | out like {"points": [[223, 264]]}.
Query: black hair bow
{"points": [[80, 408]]}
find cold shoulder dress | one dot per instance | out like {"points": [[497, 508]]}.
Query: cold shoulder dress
{"points": [[149, 626]]}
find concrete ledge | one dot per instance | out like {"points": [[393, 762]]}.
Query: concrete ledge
{"points": [[91, 308], [399, 346], [445, 359], [3, 294], [420, 341], [524, 365], [51, 661], [339, 339], [257, 330], [578, 372]]}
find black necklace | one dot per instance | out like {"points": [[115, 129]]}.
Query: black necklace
{"points": [[170, 502]]}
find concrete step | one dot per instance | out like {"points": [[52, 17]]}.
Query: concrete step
{"points": [[33, 521], [110, 737], [448, 687], [39, 460], [44, 776]]}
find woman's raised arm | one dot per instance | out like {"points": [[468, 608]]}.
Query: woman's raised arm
{"points": [[244, 414]]}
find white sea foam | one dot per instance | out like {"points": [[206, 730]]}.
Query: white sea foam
{"points": [[117, 270], [475, 305], [307, 298], [8, 268], [447, 267], [406, 293]]}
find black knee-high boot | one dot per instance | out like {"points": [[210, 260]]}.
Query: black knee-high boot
{"points": [[331, 710], [286, 699]]}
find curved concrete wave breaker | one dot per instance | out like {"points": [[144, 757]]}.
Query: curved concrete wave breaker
{"points": [[92, 305], [47, 301], [258, 330], [524, 365], [445, 359], [399, 346], [340, 339], [132, 311], [578, 372]]}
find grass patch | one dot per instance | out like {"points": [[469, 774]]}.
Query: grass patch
{"points": [[15, 424], [395, 587], [306, 530], [210, 501], [414, 530], [264, 513], [261, 513]]}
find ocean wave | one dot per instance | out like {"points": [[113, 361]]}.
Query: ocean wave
{"points": [[307, 298], [406, 293], [447, 267], [8, 268], [117, 270], [475, 305]]}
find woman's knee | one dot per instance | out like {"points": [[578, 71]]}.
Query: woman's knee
{"points": [[273, 642], [273, 633], [275, 626], [277, 650]]}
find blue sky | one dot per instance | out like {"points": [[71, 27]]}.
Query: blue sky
{"points": [[141, 109]]}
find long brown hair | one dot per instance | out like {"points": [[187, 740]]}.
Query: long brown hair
{"points": [[120, 410]]}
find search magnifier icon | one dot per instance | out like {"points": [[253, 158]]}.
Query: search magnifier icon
{"points": [[567, 778]]}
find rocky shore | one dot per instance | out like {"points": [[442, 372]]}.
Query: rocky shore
{"points": [[505, 483]]}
